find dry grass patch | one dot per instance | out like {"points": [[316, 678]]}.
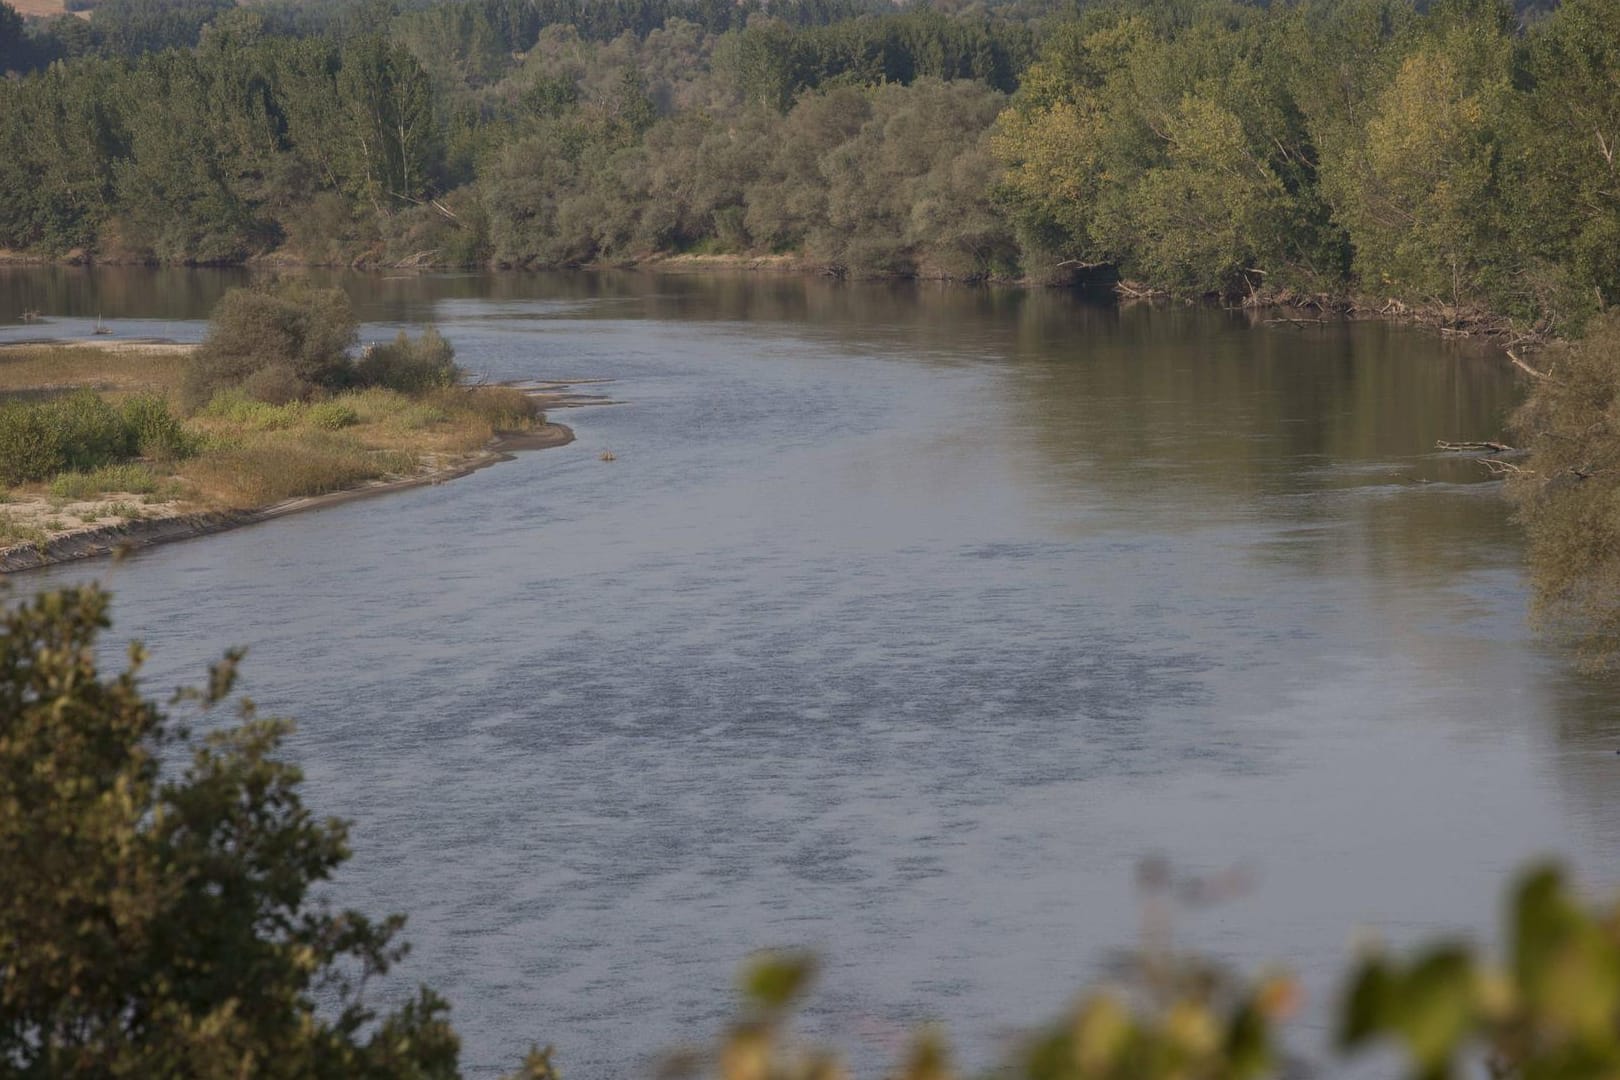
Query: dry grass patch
{"points": [[253, 454], [267, 467], [42, 8], [453, 420], [18, 528], [125, 368]]}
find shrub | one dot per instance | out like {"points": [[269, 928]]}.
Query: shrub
{"points": [[238, 408], [93, 433], [330, 415], [417, 417], [156, 431], [78, 432], [504, 408], [30, 447], [1568, 495], [290, 325], [277, 384], [409, 366]]}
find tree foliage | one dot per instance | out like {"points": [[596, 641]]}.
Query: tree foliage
{"points": [[409, 366], [1446, 154], [1563, 150], [1363, 146], [1569, 497], [1550, 1008], [15, 50], [156, 922], [279, 340]]}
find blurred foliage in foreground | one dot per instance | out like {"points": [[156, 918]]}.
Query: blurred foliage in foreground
{"points": [[160, 922], [1549, 1009]]}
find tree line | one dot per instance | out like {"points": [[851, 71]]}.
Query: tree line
{"points": [[1456, 155]]}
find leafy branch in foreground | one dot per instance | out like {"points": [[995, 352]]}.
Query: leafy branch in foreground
{"points": [[1549, 1011], [160, 925]]}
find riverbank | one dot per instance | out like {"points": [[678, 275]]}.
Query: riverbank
{"points": [[242, 462], [125, 535]]}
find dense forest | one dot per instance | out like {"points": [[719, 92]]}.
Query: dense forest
{"points": [[1457, 155]]}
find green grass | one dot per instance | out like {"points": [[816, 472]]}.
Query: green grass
{"points": [[13, 531], [128, 479], [241, 411], [330, 415]]}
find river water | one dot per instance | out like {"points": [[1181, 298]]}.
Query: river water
{"points": [[906, 621]]}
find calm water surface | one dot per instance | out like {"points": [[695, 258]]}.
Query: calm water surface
{"points": [[906, 621]]}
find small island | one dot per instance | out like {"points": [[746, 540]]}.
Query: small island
{"points": [[107, 446]]}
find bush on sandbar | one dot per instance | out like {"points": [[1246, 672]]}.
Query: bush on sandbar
{"points": [[157, 432], [82, 432], [428, 363], [279, 342]]}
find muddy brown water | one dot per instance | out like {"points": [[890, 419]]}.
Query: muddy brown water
{"points": [[903, 623]]}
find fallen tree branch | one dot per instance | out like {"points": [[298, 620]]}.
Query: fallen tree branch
{"points": [[1524, 367], [1487, 445]]}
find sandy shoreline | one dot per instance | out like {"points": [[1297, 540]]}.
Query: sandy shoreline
{"points": [[128, 536], [166, 523]]}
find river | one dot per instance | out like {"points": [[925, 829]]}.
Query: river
{"points": [[905, 622]]}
